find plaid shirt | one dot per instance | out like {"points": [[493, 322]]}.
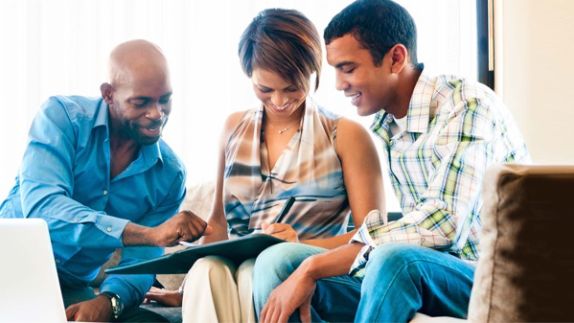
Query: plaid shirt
{"points": [[455, 130]]}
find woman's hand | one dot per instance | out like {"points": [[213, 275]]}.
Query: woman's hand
{"points": [[171, 298], [281, 231]]}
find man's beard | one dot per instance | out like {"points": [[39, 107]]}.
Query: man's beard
{"points": [[134, 132]]}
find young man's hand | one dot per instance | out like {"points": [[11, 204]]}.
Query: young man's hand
{"points": [[294, 293], [297, 291]]}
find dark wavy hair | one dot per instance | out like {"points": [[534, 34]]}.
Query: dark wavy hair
{"points": [[378, 25], [283, 41]]}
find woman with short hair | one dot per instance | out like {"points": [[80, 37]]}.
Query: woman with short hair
{"points": [[287, 147]]}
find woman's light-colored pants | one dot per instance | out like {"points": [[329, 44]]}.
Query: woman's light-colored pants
{"points": [[216, 290]]}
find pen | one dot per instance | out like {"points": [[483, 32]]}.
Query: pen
{"points": [[286, 207], [285, 210]]}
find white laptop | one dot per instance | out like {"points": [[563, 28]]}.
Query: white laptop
{"points": [[29, 288]]}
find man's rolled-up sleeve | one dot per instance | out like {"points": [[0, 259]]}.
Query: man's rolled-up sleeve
{"points": [[132, 288]]}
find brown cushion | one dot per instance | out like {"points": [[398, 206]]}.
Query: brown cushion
{"points": [[526, 269]]}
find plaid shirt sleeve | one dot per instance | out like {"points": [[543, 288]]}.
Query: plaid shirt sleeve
{"points": [[441, 218]]}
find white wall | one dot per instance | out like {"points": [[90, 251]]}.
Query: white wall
{"points": [[534, 55]]}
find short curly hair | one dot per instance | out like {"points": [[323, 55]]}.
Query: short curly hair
{"points": [[378, 25]]}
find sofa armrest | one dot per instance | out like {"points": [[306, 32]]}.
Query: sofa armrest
{"points": [[526, 268]]}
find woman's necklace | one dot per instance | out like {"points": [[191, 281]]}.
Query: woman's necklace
{"points": [[281, 131]]}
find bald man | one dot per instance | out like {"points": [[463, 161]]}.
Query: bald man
{"points": [[97, 171]]}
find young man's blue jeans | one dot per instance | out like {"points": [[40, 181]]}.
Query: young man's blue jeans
{"points": [[399, 281]]}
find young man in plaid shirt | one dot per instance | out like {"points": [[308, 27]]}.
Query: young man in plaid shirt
{"points": [[439, 135]]}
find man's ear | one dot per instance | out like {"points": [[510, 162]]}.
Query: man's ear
{"points": [[400, 58], [107, 91]]}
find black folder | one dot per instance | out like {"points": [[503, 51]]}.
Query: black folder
{"points": [[179, 262]]}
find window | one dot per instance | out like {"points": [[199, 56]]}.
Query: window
{"points": [[61, 47]]}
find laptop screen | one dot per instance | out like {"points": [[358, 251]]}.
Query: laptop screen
{"points": [[29, 287]]}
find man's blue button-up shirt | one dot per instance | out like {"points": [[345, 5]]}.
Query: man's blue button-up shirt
{"points": [[65, 180]]}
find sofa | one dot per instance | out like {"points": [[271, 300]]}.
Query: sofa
{"points": [[526, 269]]}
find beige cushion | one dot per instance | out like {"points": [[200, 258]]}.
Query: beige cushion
{"points": [[526, 269], [199, 200]]}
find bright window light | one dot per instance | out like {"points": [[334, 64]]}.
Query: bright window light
{"points": [[60, 47]]}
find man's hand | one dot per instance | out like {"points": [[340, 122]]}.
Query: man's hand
{"points": [[294, 293], [184, 226], [171, 298], [281, 231], [98, 309]]}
